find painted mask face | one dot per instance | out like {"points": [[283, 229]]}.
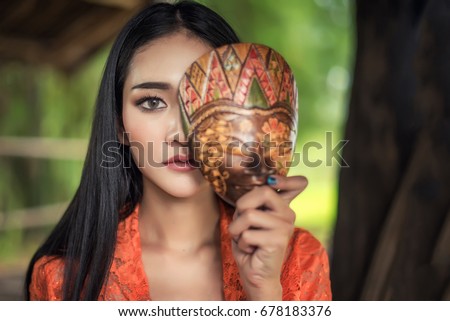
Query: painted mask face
{"points": [[239, 109]]}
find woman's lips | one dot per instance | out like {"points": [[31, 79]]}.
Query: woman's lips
{"points": [[179, 163]]}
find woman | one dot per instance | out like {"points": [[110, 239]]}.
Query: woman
{"points": [[152, 228]]}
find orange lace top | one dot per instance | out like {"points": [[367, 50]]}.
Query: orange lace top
{"points": [[305, 273]]}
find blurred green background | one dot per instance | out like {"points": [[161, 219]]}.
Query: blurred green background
{"points": [[315, 37]]}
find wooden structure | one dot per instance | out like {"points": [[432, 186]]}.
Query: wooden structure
{"points": [[392, 237], [62, 33]]}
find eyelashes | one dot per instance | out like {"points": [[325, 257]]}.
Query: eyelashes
{"points": [[150, 103]]}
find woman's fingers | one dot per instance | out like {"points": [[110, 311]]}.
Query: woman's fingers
{"points": [[262, 226], [288, 187], [269, 242], [267, 199], [260, 197], [255, 219]]}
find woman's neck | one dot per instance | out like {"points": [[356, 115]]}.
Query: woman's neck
{"points": [[182, 224]]}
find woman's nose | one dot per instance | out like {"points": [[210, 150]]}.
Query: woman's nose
{"points": [[175, 132]]}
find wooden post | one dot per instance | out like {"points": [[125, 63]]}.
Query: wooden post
{"points": [[394, 200]]}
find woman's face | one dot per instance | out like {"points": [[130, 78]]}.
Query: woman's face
{"points": [[151, 114]]}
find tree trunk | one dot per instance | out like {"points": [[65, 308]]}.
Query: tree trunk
{"points": [[392, 233]]}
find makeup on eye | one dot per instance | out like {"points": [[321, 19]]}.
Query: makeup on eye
{"points": [[151, 103]]}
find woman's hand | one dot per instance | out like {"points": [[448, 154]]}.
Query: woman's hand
{"points": [[262, 226]]}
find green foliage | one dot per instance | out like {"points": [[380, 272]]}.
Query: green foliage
{"points": [[38, 101]]}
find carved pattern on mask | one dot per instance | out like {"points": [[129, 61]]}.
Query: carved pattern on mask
{"points": [[240, 94]]}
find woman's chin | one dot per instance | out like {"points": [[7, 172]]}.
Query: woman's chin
{"points": [[187, 193], [183, 187]]}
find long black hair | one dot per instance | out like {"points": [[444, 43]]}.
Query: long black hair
{"points": [[85, 237]]}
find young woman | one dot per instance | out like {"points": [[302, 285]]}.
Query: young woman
{"points": [[152, 228]]}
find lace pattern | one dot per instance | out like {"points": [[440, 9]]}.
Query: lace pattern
{"points": [[305, 273]]}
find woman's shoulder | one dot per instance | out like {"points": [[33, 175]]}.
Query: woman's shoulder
{"points": [[46, 279], [306, 272], [306, 243]]}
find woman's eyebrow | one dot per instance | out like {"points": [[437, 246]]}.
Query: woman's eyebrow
{"points": [[153, 85]]}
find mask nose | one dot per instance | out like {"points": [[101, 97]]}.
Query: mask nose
{"points": [[261, 166]]}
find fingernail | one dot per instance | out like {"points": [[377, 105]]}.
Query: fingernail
{"points": [[271, 180]]}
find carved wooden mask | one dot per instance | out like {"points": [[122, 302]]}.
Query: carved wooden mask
{"points": [[239, 110]]}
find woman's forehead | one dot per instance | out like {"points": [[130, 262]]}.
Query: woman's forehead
{"points": [[165, 59]]}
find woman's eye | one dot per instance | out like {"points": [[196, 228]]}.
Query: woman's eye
{"points": [[152, 103]]}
